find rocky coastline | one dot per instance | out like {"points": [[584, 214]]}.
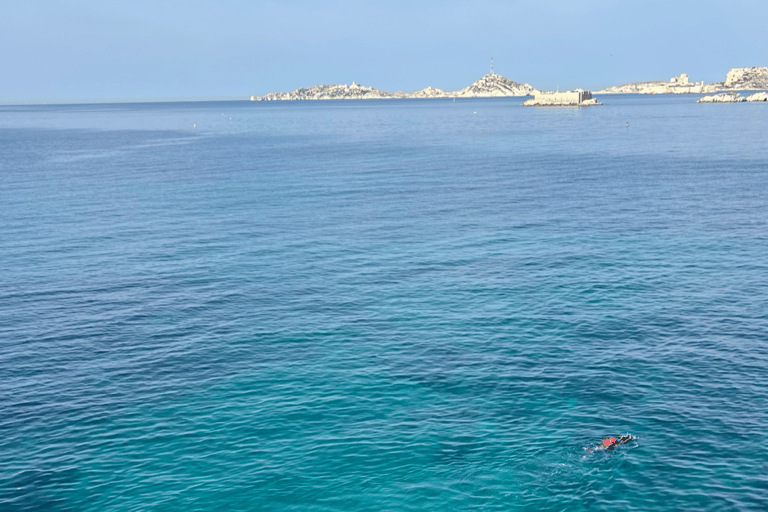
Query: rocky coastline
{"points": [[737, 79], [746, 79], [491, 85], [676, 85], [330, 92], [734, 97], [494, 85]]}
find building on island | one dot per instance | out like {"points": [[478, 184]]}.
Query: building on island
{"points": [[676, 85], [577, 98]]}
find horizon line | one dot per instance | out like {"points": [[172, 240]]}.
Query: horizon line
{"points": [[156, 99]]}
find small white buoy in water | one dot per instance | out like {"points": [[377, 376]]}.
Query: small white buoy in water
{"points": [[194, 125]]}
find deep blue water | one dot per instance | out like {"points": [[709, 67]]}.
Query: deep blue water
{"points": [[384, 306]]}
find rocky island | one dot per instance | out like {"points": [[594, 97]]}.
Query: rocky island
{"points": [[746, 79], [576, 98], [733, 97], [329, 92], [676, 85], [736, 79], [494, 85], [491, 85]]}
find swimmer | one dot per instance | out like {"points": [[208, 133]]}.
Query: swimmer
{"points": [[612, 442], [609, 443]]}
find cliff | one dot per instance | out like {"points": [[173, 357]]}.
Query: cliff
{"points": [[491, 85], [747, 78]]}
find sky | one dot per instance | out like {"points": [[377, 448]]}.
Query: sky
{"points": [[164, 49]]}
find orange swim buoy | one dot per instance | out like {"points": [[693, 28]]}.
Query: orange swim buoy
{"points": [[608, 442]]}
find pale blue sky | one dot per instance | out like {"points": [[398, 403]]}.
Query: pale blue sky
{"points": [[87, 49]]}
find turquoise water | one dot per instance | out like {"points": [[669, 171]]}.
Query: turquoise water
{"points": [[383, 305]]}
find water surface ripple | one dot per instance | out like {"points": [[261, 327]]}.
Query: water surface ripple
{"points": [[383, 305]]}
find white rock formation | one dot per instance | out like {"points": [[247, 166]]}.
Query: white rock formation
{"points": [[734, 97], [328, 92], [747, 78], [429, 92], [726, 97], [491, 85], [494, 85], [758, 96]]}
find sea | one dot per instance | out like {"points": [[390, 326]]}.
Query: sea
{"points": [[384, 305]]}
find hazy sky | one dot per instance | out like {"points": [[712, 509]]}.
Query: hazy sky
{"points": [[87, 49]]}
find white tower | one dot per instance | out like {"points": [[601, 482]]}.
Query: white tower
{"points": [[491, 65]]}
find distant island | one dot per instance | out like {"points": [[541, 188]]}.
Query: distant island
{"points": [[494, 85], [737, 79], [490, 86], [562, 99], [676, 85], [733, 97]]}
